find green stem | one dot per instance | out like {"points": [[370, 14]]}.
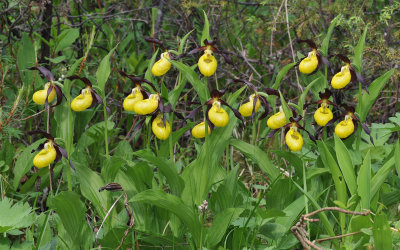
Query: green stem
{"points": [[254, 134], [305, 197], [324, 134], [105, 128], [171, 146], [358, 135], [156, 145], [148, 135]]}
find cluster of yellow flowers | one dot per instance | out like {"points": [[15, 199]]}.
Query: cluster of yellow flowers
{"points": [[143, 103]]}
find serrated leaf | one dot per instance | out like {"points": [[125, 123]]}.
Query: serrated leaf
{"points": [[15, 216]]}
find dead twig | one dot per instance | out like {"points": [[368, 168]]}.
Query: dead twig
{"points": [[300, 232]]}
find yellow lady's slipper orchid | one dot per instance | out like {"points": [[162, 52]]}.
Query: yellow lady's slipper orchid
{"points": [[218, 115], [309, 64], [82, 101], [246, 109], [46, 156], [146, 106], [294, 140], [345, 128], [341, 79], [207, 63], [161, 66], [131, 99], [323, 115], [39, 97], [277, 120], [160, 131], [199, 131]]}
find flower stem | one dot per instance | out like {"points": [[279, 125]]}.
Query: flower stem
{"points": [[171, 146], [105, 128]]}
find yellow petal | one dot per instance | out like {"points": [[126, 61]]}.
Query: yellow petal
{"points": [[199, 131], [159, 130], [247, 109], [344, 128], [82, 101], [294, 140], [308, 64], [218, 116], [207, 64], [322, 116], [146, 106], [45, 157], [277, 120], [131, 99]]}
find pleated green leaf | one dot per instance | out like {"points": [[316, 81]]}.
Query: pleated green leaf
{"points": [[258, 156], [174, 205], [364, 182], [346, 165]]}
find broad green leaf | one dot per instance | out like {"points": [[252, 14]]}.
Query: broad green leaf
{"points": [[26, 59], [340, 185], [359, 50], [149, 75], [202, 172], [346, 165], [66, 38], [303, 95], [174, 205], [380, 176], [193, 78], [104, 70], [381, 232], [325, 42], [182, 42], [327, 225], [281, 74], [397, 156], [71, 211], [337, 176], [24, 162], [166, 168], [220, 224], [90, 183], [375, 89], [288, 112], [206, 30], [364, 182], [94, 134], [258, 156], [12, 217]]}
